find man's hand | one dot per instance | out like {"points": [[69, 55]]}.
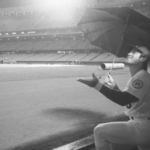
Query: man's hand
{"points": [[90, 82], [109, 82]]}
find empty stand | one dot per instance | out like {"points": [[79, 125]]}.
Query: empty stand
{"points": [[78, 57], [90, 56], [67, 57]]}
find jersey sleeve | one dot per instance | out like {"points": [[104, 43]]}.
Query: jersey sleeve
{"points": [[137, 86]]}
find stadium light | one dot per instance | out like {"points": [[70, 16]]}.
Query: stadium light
{"points": [[57, 4], [63, 10]]}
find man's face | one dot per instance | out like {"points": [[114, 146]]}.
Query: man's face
{"points": [[133, 57]]}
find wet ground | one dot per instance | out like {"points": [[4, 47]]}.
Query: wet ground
{"points": [[43, 107]]}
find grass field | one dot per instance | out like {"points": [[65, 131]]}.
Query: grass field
{"points": [[43, 107]]}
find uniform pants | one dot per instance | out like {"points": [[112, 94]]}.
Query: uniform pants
{"points": [[133, 132]]}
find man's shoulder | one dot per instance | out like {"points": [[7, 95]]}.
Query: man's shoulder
{"points": [[143, 74], [142, 78]]}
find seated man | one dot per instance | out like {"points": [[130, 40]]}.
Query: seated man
{"points": [[136, 101]]}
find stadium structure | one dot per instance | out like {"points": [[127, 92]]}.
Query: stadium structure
{"points": [[49, 34]]}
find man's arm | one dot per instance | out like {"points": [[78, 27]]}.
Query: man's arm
{"points": [[117, 96], [120, 97]]}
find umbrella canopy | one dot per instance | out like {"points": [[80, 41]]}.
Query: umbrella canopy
{"points": [[113, 29]]}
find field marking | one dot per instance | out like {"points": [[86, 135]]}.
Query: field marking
{"points": [[36, 65]]}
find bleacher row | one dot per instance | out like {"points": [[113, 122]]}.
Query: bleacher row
{"points": [[35, 20], [57, 57], [52, 44]]}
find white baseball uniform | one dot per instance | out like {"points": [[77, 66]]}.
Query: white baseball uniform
{"points": [[139, 86], [136, 131]]}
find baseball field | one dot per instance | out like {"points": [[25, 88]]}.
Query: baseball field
{"points": [[43, 106]]}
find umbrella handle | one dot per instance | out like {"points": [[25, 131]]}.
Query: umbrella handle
{"points": [[120, 44]]}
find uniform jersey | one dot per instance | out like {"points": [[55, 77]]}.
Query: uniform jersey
{"points": [[139, 86]]}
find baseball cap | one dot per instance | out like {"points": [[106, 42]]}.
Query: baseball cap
{"points": [[144, 50]]}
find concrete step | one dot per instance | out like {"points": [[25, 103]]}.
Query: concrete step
{"points": [[87, 143]]}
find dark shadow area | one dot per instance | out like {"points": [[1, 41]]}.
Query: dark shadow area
{"points": [[87, 121], [85, 117]]}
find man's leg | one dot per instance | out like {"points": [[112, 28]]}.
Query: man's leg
{"points": [[114, 132], [106, 147]]}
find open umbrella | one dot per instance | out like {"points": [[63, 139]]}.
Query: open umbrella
{"points": [[113, 29]]}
